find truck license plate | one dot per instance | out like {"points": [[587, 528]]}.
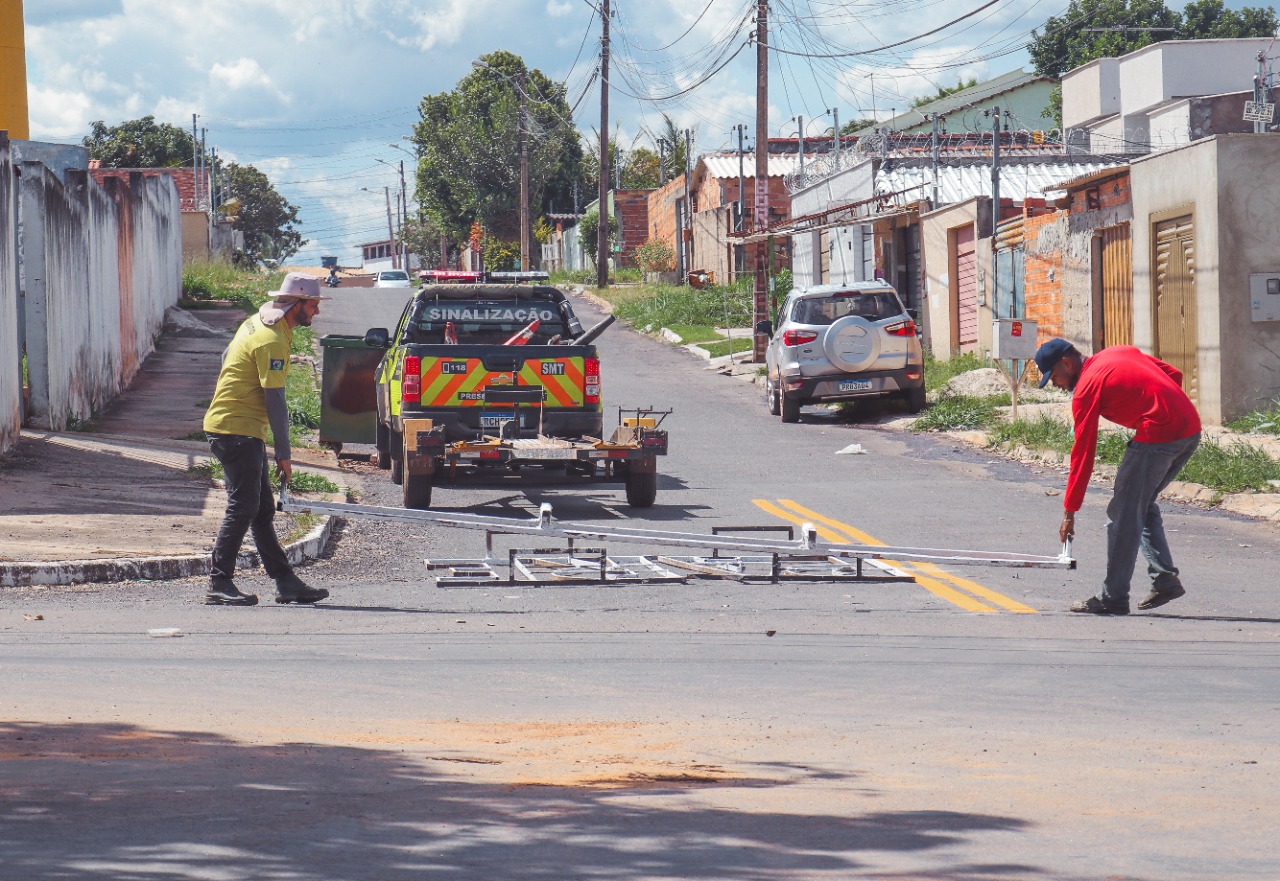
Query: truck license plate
{"points": [[495, 420], [855, 385]]}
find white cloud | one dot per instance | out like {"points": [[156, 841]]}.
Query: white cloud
{"points": [[243, 73], [559, 10]]}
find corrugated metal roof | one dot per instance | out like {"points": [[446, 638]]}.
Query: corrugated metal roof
{"points": [[726, 164], [960, 182]]}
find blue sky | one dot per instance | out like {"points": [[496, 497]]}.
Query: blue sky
{"points": [[315, 92]]}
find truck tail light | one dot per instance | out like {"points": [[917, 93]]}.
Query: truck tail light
{"points": [[411, 380], [591, 380], [902, 328], [798, 337]]}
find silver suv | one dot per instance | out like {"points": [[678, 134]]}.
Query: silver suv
{"points": [[839, 343]]}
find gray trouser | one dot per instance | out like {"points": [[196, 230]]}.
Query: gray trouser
{"points": [[250, 506], [1134, 520]]}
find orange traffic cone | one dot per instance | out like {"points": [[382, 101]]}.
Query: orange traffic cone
{"points": [[525, 335]]}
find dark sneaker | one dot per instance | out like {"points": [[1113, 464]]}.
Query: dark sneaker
{"points": [[292, 589], [225, 593], [1095, 606], [1158, 598]]}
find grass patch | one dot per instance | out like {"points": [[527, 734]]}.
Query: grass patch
{"points": [[195, 435], [671, 305], [695, 333], [300, 481], [938, 373], [958, 413], [299, 526], [737, 346], [1265, 421], [1041, 433], [1232, 469], [204, 281]]}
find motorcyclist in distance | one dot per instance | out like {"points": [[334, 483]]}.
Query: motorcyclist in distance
{"points": [[333, 281]]}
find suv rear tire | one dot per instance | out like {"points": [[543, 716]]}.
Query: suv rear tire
{"points": [[771, 398], [915, 399], [790, 407]]}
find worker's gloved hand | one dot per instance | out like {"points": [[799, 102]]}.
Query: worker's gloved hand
{"points": [[1067, 530], [285, 467]]}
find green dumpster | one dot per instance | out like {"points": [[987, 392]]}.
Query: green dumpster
{"points": [[348, 397]]}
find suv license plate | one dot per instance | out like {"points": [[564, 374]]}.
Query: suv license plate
{"points": [[495, 420], [855, 385]]}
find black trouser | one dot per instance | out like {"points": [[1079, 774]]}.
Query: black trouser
{"points": [[250, 505]]}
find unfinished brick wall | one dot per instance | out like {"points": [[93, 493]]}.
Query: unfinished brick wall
{"points": [[1043, 284], [632, 210], [184, 178]]}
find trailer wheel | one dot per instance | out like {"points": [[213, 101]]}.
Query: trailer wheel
{"points": [[642, 489], [396, 443], [417, 491], [383, 444]]}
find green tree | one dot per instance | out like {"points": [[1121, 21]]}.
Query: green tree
{"points": [[469, 163], [589, 232], [1065, 44], [139, 143], [944, 91], [265, 217], [422, 238]]}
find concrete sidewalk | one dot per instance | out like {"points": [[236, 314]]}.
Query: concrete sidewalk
{"points": [[119, 501]]}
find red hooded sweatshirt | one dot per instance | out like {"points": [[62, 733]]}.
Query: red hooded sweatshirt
{"points": [[1132, 389]]}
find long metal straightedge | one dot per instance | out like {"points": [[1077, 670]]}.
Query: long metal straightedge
{"points": [[543, 524]]}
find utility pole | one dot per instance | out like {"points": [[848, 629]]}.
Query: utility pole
{"points": [[742, 182], [800, 132], [933, 152], [195, 163], [688, 199], [760, 218], [391, 231], [523, 136], [602, 233], [995, 210], [835, 130], [662, 161], [404, 218], [1259, 96]]}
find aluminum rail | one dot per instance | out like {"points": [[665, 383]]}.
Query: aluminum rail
{"points": [[544, 524]]}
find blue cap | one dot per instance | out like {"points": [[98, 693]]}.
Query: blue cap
{"points": [[1048, 355]]}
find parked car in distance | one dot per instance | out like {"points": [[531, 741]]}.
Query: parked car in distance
{"points": [[392, 278], [841, 343]]}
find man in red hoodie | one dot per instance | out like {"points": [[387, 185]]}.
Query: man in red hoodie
{"points": [[1144, 394]]}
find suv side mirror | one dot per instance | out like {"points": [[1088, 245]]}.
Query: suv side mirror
{"points": [[377, 337], [765, 327]]}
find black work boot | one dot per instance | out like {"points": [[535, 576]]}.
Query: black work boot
{"points": [[292, 589], [223, 592]]}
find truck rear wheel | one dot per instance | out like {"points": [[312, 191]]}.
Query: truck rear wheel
{"points": [[417, 491], [642, 489], [383, 443], [396, 443]]}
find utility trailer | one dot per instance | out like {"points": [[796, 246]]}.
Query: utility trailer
{"points": [[629, 456]]}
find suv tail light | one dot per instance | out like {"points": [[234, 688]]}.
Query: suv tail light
{"points": [[798, 337], [902, 328], [591, 380], [411, 380]]}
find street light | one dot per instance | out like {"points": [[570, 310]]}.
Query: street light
{"points": [[522, 139]]}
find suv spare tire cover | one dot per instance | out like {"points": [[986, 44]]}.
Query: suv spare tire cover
{"points": [[852, 343]]}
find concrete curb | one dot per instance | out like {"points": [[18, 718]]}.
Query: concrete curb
{"points": [[19, 574]]}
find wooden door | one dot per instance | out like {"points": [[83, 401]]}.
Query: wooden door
{"points": [[1174, 299], [1117, 286], [966, 296]]}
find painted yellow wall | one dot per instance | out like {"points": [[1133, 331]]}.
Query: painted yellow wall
{"points": [[13, 71]]}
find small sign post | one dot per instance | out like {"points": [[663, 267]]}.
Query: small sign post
{"points": [[1013, 339]]}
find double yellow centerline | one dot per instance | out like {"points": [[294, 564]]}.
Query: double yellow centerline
{"points": [[968, 595]]}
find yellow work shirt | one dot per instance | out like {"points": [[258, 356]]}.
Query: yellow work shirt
{"points": [[257, 359]]}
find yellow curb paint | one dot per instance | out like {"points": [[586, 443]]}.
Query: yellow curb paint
{"points": [[934, 586]]}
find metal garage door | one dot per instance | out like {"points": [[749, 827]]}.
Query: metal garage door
{"points": [[1117, 286], [966, 303], [1175, 299]]}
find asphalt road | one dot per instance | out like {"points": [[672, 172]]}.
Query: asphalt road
{"points": [[964, 727]]}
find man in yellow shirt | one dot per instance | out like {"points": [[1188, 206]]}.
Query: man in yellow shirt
{"points": [[250, 397]]}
